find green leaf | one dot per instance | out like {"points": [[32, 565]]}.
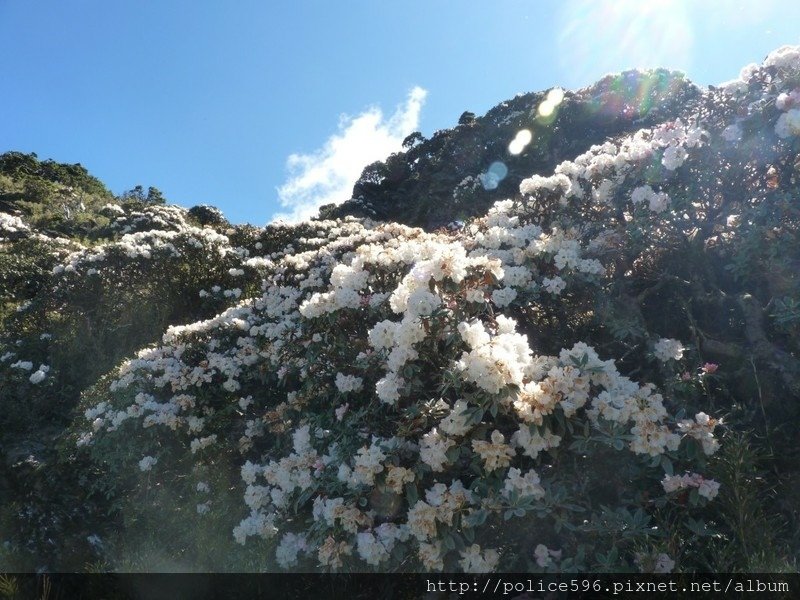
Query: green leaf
{"points": [[398, 552], [579, 445], [477, 518], [697, 527], [453, 453], [411, 494], [476, 417], [691, 449], [304, 497], [458, 540]]}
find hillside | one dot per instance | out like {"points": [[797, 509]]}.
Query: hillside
{"points": [[561, 336], [437, 180]]}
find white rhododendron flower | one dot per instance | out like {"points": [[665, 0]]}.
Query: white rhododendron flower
{"points": [[348, 383], [504, 296], [544, 556], [707, 488], [421, 303], [39, 375], [657, 201], [433, 449], [668, 349], [455, 424], [702, 429], [674, 157], [147, 463], [476, 560], [387, 389], [555, 285], [788, 124], [526, 485], [496, 453], [732, 133], [659, 563], [290, 546]]}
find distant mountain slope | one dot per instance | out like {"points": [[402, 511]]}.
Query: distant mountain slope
{"points": [[435, 181]]}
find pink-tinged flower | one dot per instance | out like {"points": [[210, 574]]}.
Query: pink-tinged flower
{"points": [[686, 376], [710, 368]]}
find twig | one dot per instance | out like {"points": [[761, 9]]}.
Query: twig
{"points": [[761, 404]]}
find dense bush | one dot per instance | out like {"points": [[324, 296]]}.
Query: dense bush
{"points": [[598, 374]]}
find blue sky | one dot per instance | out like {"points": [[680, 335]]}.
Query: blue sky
{"points": [[250, 104]]}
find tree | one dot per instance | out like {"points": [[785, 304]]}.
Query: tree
{"points": [[153, 196]]}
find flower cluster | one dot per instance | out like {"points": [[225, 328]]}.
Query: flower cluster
{"points": [[708, 488], [668, 349], [13, 227], [431, 292], [545, 557], [404, 300], [702, 430], [387, 390], [658, 563], [599, 173]]}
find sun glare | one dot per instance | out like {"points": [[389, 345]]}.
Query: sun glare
{"points": [[602, 37]]}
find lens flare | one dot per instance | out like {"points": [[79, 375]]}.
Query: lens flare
{"points": [[551, 102], [633, 94], [598, 36], [546, 108], [522, 139], [496, 172], [555, 96]]}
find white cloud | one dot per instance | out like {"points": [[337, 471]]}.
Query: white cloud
{"points": [[328, 174]]}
